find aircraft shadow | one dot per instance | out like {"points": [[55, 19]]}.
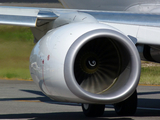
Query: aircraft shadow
{"points": [[147, 93]]}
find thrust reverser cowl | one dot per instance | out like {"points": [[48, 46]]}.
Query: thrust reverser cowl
{"points": [[86, 63]]}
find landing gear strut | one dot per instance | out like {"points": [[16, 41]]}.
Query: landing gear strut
{"points": [[93, 110], [128, 106]]}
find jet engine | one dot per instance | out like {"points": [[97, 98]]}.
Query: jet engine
{"points": [[86, 63]]}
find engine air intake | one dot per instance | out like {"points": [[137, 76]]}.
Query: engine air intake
{"points": [[97, 65], [103, 66]]}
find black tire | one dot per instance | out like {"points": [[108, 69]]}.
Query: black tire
{"points": [[127, 107], [93, 110]]}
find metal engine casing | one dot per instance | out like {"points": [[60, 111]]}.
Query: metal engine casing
{"points": [[52, 63]]}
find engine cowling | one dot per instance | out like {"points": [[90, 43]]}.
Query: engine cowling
{"points": [[86, 63]]}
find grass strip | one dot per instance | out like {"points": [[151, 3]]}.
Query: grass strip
{"points": [[16, 44], [150, 75]]}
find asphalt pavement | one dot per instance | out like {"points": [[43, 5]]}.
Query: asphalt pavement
{"points": [[23, 100]]}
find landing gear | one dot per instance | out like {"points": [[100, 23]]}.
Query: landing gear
{"points": [[128, 106], [125, 108], [93, 110]]}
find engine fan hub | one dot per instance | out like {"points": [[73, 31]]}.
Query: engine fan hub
{"points": [[89, 62]]}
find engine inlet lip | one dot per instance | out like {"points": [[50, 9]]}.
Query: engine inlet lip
{"points": [[70, 59]]}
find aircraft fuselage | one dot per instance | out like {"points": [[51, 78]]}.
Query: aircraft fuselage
{"points": [[113, 5]]}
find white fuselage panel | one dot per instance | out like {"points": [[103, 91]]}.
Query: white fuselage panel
{"points": [[112, 5]]}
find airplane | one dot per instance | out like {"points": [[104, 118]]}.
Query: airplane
{"points": [[91, 51]]}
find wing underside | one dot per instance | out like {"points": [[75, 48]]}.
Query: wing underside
{"points": [[24, 16], [35, 17]]}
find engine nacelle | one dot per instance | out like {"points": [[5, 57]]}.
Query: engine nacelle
{"points": [[86, 63]]}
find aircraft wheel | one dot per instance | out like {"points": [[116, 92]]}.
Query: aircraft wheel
{"points": [[93, 110], [128, 106]]}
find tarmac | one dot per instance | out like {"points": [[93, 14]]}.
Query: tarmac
{"points": [[23, 100]]}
